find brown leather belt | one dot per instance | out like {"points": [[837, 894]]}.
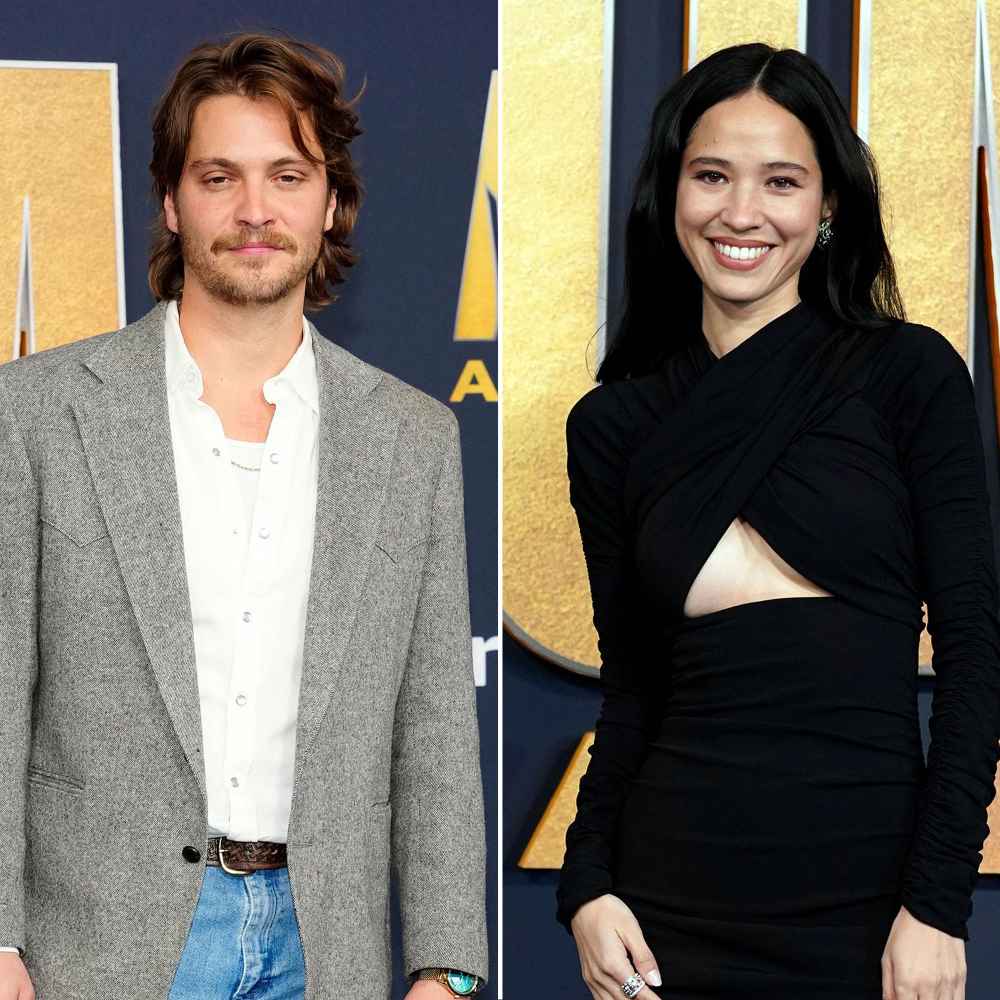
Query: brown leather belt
{"points": [[241, 857]]}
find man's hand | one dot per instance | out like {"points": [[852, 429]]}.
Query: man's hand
{"points": [[15, 983], [921, 962], [422, 989]]}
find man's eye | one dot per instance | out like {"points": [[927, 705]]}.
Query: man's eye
{"points": [[290, 177], [212, 180]]}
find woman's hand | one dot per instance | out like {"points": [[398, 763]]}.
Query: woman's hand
{"points": [[922, 963], [611, 948]]}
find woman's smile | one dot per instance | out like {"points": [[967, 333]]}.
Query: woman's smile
{"points": [[739, 258]]}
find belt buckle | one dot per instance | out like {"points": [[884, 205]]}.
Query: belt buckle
{"points": [[222, 862]]}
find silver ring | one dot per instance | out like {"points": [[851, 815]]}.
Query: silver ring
{"points": [[632, 985]]}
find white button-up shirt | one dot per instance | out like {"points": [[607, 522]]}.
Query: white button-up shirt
{"points": [[248, 540]]}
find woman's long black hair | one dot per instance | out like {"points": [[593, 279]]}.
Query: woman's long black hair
{"points": [[854, 276]]}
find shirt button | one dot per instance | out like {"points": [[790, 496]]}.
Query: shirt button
{"points": [[241, 699], [275, 458], [264, 533], [216, 452], [235, 782], [246, 616]]}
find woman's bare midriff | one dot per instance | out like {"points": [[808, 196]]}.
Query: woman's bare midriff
{"points": [[743, 568]]}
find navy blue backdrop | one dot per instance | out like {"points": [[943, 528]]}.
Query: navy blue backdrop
{"points": [[547, 709], [427, 68]]}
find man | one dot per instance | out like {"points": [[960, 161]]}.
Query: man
{"points": [[235, 662]]}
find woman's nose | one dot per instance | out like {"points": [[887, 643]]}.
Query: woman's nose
{"points": [[742, 209]]}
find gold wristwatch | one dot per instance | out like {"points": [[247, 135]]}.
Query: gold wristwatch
{"points": [[461, 984]]}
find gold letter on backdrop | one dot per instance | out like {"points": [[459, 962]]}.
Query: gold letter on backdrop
{"points": [[477, 299], [60, 204]]}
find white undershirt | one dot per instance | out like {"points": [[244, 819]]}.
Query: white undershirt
{"points": [[247, 455]]}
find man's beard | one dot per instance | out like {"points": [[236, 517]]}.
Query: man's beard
{"points": [[250, 285]]}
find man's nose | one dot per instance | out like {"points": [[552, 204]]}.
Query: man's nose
{"points": [[253, 209]]}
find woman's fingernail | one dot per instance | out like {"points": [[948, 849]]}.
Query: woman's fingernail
{"points": [[654, 978]]}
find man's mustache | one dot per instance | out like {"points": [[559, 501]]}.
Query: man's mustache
{"points": [[248, 238]]}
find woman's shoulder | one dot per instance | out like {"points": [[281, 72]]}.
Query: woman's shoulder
{"points": [[915, 350], [914, 364], [615, 414], [916, 345]]}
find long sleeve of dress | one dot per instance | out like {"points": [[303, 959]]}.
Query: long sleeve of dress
{"points": [[595, 439], [941, 454]]}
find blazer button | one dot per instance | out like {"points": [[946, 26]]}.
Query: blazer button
{"points": [[191, 854]]}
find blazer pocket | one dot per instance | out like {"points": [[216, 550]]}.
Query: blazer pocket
{"points": [[39, 776], [379, 835], [81, 527], [399, 551], [378, 848]]}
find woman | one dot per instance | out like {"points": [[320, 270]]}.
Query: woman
{"points": [[775, 472]]}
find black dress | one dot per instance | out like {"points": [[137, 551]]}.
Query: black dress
{"points": [[757, 793]]}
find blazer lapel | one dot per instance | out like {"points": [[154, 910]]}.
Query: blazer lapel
{"points": [[125, 429], [357, 436]]}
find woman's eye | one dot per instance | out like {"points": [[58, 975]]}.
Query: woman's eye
{"points": [[705, 174], [786, 183]]}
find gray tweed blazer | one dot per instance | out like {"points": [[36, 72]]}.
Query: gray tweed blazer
{"points": [[102, 781]]}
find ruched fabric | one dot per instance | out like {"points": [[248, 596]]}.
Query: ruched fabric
{"points": [[757, 789]]}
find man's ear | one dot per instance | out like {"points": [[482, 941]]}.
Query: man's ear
{"points": [[330, 209], [170, 212]]}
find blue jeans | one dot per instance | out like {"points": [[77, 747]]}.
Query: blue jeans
{"points": [[244, 940]]}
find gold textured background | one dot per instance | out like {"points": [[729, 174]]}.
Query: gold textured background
{"points": [[921, 87], [722, 23], [920, 119], [921, 90], [920, 130], [57, 148], [991, 849], [552, 69]]}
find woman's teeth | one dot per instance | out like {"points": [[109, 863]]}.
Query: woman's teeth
{"points": [[741, 253]]}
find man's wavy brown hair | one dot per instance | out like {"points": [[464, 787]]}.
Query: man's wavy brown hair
{"points": [[304, 79]]}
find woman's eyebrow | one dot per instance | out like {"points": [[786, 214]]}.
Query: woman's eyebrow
{"points": [[716, 161]]}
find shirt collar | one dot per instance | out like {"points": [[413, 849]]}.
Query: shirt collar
{"points": [[184, 375]]}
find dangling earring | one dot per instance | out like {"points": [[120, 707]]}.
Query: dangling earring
{"points": [[825, 234]]}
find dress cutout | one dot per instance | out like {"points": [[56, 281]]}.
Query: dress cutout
{"points": [[743, 568]]}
